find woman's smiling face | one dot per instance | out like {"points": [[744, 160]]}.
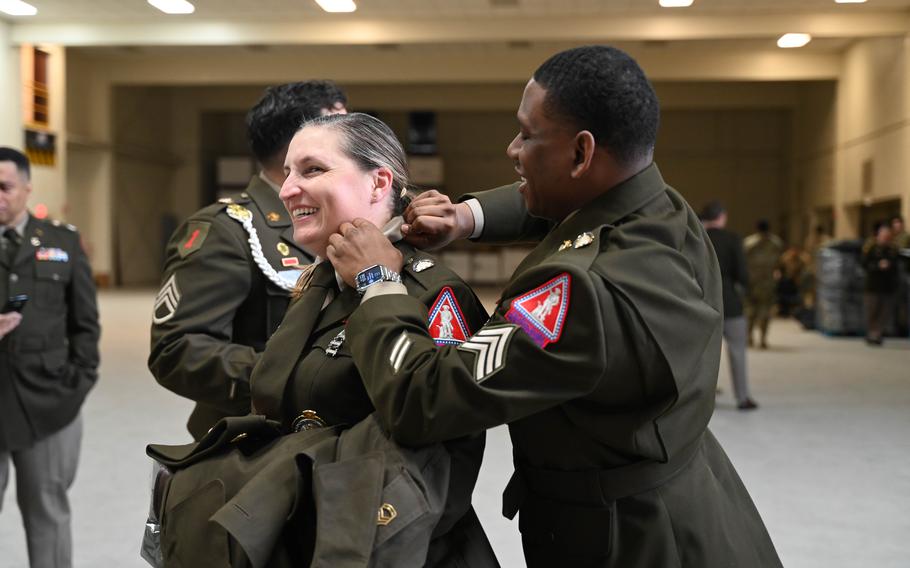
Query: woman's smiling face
{"points": [[325, 188]]}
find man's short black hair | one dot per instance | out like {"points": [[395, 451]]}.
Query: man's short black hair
{"points": [[763, 226], [15, 156], [603, 90], [897, 218], [711, 211], [274, 120]]}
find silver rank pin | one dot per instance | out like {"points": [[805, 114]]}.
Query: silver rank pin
{"points": [[583, 240], [332, 349], [423, 264]]}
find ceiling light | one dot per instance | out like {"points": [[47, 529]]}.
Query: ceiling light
{"points": [[17, 8], [173, 6], [787, 41], [337, 5], [676, 3], [850, 1]]}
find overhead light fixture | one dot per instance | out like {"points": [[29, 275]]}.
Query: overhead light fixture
{"points": [[850, 1], [173, 6], [17, 8], [788, 41], [676, 3], [337, 5]]}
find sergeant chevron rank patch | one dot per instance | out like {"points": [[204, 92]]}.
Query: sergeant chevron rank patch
{"points": [[167, 301], [489, 346], [541, 313], [447, 324]]}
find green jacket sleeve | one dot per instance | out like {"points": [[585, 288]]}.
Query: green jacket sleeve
{"points": [[82, 325], [426, 393], [191, 352], [506, 218]]}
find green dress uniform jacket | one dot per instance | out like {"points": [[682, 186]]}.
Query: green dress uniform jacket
{"points": [[50, 361], [354, 471], [217, 308], [762, 261], [602, 356]]}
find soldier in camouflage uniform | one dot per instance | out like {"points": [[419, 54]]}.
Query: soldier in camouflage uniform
{"points": [[763, 250]]}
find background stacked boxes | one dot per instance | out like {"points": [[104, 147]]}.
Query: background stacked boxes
{"points": [[840, 279]]}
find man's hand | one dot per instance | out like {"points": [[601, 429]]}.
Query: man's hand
{"points": [[432, 221], [9, 322], [359, 245]]}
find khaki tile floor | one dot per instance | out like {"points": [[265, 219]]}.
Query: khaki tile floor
{"points": [[826, 457]]}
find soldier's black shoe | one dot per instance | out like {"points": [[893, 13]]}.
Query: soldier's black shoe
{"points": [[747, 404]]}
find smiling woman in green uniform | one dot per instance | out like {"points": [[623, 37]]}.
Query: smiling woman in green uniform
{"points": [[342, 167]]}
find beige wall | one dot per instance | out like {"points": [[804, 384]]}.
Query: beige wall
{"points": [[11, 109], [144, 180]]}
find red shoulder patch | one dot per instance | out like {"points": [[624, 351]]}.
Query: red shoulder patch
{"points": [[541, 313], [447, 323]]}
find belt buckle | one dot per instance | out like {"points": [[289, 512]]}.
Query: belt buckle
{"points": [[308, 420]]}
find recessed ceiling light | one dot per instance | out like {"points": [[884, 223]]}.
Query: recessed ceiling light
{"points": [[788, 41], [676, 3], [17, 8], [173, 6], [337, 5], [850, 1]]}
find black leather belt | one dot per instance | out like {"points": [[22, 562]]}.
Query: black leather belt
{"points": [[593, 486]]}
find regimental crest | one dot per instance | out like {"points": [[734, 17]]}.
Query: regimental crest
{"points": [[447, 324], [542, 311], [167, 301]]}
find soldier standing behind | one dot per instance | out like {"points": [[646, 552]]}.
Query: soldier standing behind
{"points": [[230, 267], [48, 362], [735, 276], [763, 250]]}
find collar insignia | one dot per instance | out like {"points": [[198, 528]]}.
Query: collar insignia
{"points": [[565, 245], [583, 240], [273, 217], [423, 264]]}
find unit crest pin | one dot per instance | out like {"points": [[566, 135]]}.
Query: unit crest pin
{"points": [[583, 240], [284, 249], [423, 264]]}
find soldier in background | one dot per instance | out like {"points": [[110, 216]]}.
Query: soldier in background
{"points": [[230, 267], [763, 250], [48, 362]]}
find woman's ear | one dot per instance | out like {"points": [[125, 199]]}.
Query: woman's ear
{"points": [[382, 184], [585, 145]]}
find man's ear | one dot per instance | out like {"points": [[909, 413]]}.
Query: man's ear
{"points": [[585, 146], [382, 184]]}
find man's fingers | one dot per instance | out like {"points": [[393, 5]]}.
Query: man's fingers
{"points": [[346, 228], [360, 223], [335, 240]]}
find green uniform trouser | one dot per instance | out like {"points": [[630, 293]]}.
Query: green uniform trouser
{"points": [[759, 307]]}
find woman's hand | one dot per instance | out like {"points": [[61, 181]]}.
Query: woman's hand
{"points": [[432, 221], [359, 245], [9, 322]]}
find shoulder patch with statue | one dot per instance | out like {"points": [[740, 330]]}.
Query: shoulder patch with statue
{"points": [[447, 323], [196, 232], [541, 313]]}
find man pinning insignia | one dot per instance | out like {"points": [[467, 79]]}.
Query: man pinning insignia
{"points": [[603, 351], [230, 267]]}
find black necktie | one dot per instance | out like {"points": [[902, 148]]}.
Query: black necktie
{"points": [[11, 244]]}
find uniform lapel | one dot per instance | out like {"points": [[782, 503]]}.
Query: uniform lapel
{"points": [[340, 308], [613, 205], [287, 343], [26, 248]]}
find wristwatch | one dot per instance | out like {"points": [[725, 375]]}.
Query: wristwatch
{"points": [[374, 274]]}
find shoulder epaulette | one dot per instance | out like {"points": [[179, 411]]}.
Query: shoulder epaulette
{"points": [[59, 223]]}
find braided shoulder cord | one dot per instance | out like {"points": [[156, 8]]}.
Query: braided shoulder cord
{"points": [[245, 217]]}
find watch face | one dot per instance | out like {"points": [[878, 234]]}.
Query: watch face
{"points": [[369, 276]]}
